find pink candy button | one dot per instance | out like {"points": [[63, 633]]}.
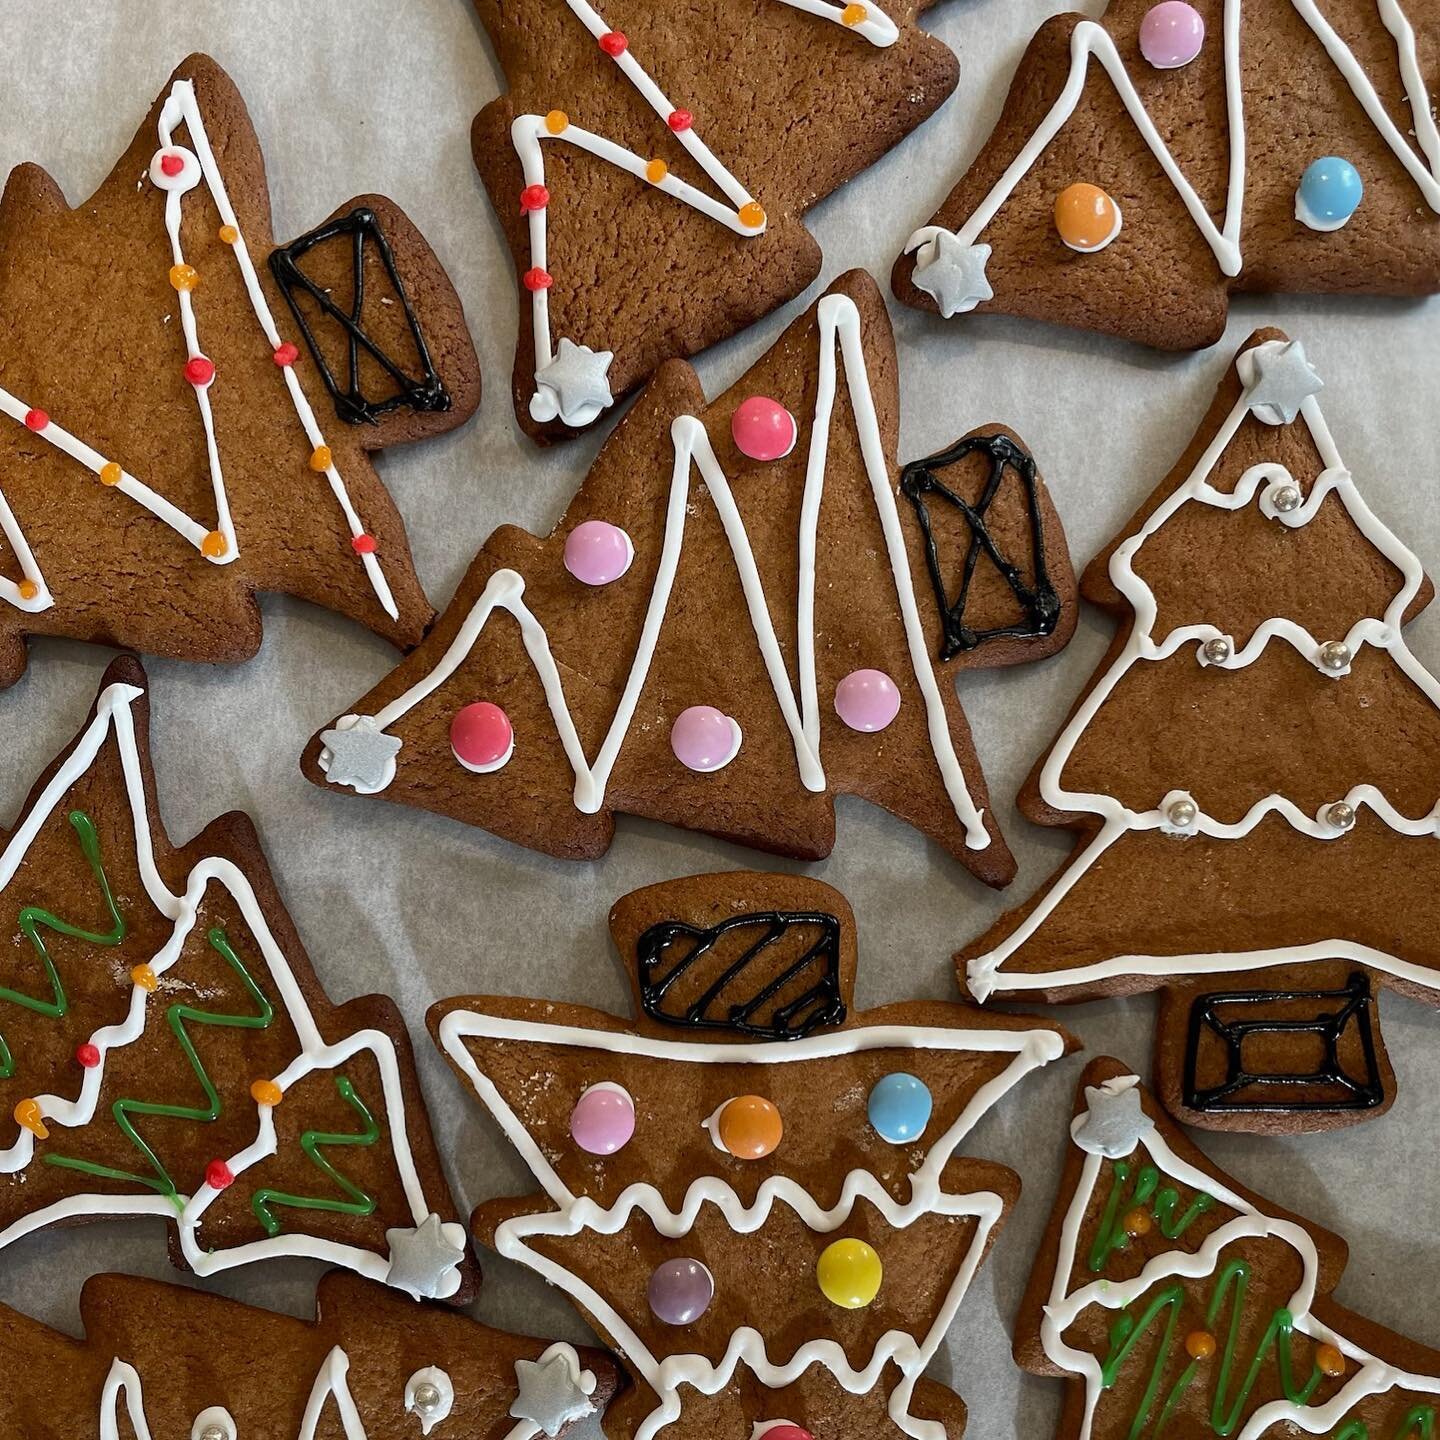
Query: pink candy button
{"points": [[763, 429], [603, 1119], [597, 552], [1171, 34], [482, 737], [867, 700], [704, 738]]}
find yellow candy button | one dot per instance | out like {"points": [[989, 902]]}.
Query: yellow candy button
{"points": [[849, 1272]]}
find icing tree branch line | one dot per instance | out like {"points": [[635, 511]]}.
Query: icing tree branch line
{"points": [[177, 170], [571, 384]]}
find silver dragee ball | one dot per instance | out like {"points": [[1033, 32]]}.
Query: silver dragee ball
{"points": [[1181, 813], [1217, 651], [1340, 815], [1335, 655], [1286, 498]]}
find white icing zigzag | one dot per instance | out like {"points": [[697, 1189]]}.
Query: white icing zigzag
{"points": [[985, 972], [839, 321], [199, 164], [1370, 1376], [113, 720], [667, 1376], [529, 133], [1089, 39]]}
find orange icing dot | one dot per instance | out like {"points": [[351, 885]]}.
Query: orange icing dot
{"points": [[1199, 1344], [854, 15], [144, 977], [1138, 1222], [1086, 217], [656, 171], [557, 121], [214, 545], [266, 1092], [750, 1127], [184, 277], [1330, 1361], [321, 458], [751, 215], [229, 234], [27, 1113], [110, 473], [28, 589]]}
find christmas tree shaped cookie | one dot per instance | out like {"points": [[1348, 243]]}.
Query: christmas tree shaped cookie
{"points": [[159, 1361], [1175, 1302], [1149, 163], [1254, 773], [652, 168], [754, 1192], [740, 615], [166, 1050], [187, 412]]}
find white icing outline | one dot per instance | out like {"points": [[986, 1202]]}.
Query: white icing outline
{"points": [[985, 973], [1090, 40], [113, 717], [1371, 1377], [838, 320], [574, 1214], [181, 107], [528, 133]]}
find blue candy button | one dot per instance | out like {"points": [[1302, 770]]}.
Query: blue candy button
{"points": [[1329, 194], [900, 1108]]}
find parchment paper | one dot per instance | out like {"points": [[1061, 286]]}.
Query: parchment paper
{"points": [[357, 95]]}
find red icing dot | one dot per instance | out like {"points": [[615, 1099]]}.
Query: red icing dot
{"points": [[533, 197], [363, 545], [679, 120], [481, 735], [36, 419], [199, 370], [88, 1055], [218, 1175], [614, 43], [537, 279], [171, 164], [286, 354]]}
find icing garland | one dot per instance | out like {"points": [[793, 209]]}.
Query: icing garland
{"points": [[529, 133], [1090, 40], [839, 324], [1370, 1375], [1265, 481], [177, 171], [747, 1347], [113, 718]]}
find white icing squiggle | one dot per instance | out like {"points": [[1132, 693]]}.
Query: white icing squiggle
{"points": [[839, 322], [1371, 1377], [667, 1376], [1089, 39], [182, 108], [985, 972], [529, 132], [114, 720]]}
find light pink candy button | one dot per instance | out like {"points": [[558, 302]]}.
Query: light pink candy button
{"points": [[603, 1119], [704, 738], [597, 552], [1171, 34], [763, 428], [867, 700]]}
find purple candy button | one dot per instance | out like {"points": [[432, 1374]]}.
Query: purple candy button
{"points": [[1171, 34], [867, 700], [680, 1291], [603, 1119], [597, 552], [704, 738]]}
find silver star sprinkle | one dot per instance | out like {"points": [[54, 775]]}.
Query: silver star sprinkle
{"points": [[577, 379], [423, 1260], [1113, 1121], [1280, 379], [953, 274], [550, 1395], [359, 754]]}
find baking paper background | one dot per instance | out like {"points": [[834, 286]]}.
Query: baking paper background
{"points": [[351, 96]]}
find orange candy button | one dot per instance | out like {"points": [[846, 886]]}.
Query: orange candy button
{"points": [[1086, 217], [749, 1127], [266, 1092]]}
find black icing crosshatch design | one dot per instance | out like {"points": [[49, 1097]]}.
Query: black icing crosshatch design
{"points": [[767, 1008]]}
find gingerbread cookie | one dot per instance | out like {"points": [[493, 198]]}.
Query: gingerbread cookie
{"points": [[1176, 1302], [1148, 164], [159, 1360], [165, 1048], [753, 1191], [180, 427], [635, 240], [1254, 772], [737, 618]]}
